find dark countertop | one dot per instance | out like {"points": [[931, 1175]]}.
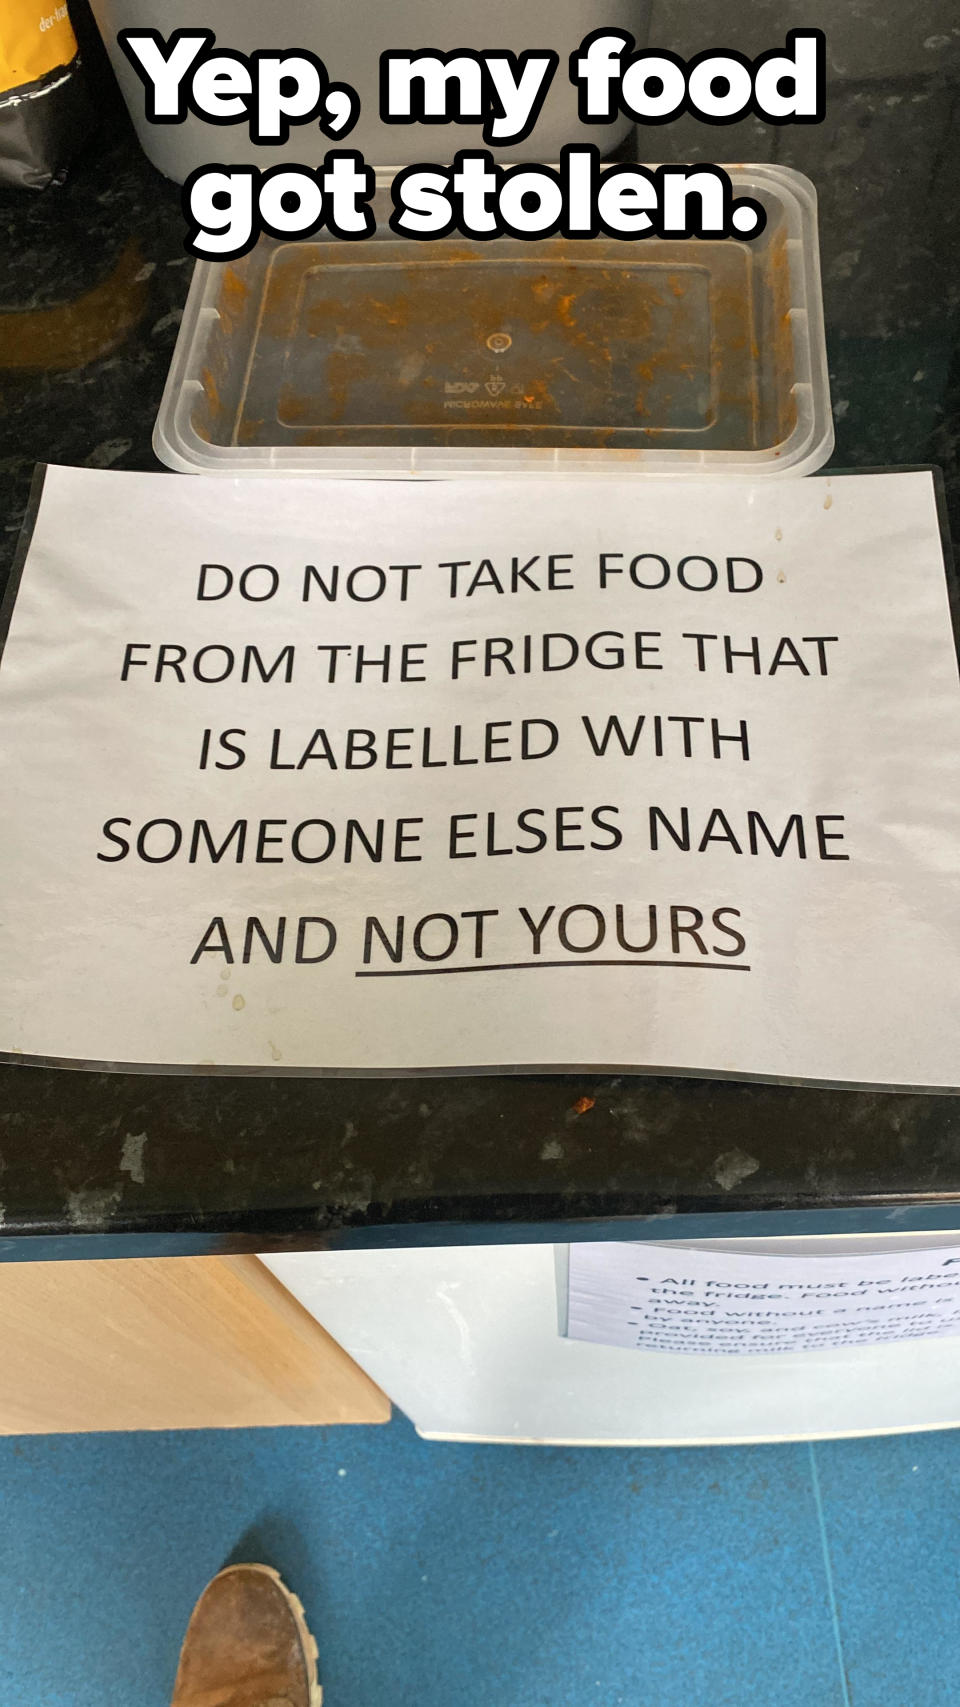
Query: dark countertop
{"points": [[92, 280]]}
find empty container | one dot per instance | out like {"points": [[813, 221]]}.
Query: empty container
{"points": [[398, 358]]}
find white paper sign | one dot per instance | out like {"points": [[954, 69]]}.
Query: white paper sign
{"points": [[717, 1304], [405, 777]]}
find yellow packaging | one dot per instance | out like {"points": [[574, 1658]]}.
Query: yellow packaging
{"points": [[35, 37]]}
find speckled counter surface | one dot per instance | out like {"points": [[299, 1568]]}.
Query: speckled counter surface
{"points": [[92, 280]]}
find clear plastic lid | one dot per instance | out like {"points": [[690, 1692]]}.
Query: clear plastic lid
{"points": [[392, 357]]}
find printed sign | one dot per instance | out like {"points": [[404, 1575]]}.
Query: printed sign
{"points": [[371, 776], [717, 1304]]}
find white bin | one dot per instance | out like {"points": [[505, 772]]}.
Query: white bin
{"points": [[349, 36]]}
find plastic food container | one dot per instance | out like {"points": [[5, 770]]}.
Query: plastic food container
{"points": [[392, 357]]}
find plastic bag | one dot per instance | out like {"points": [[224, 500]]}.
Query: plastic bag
{"points": [[43, 104]]}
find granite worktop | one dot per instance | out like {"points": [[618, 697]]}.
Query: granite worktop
{"points": [[92, 283]]}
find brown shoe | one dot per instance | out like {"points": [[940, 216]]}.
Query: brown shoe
{"points": [[247, 1645]]}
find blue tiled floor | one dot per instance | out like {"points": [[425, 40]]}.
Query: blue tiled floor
{"points": [[531, 1577]]}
